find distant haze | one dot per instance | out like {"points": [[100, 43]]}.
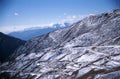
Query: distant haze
{"points": [[16, 15]]}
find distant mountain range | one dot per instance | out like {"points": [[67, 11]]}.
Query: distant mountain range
{"points": [[8, 45], [33, 32]]}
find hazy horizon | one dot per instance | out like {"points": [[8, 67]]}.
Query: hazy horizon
{"points": [[21, 14]]}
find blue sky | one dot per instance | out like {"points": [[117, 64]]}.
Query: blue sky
{"points": [[20, 13]]}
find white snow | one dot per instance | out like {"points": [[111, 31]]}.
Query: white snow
{"points": [[116, 58], [83, 71], [88, 58], [20, 57], [69, 45], [113, 64]]}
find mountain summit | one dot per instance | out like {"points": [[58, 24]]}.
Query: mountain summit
{"points": [[89, 49]]}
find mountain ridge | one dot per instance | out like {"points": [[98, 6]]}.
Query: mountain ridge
{"points": [[8, 45], [88, 49]]}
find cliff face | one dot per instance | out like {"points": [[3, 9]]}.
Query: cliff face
{"points": [[89, 49]]}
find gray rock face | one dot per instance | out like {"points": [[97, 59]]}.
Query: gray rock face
{"points": [[89, 49]]}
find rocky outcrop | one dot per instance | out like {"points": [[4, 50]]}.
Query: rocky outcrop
{"points": [[89, 49]]}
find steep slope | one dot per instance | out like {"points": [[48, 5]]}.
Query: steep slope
{"points": [[8, 45], [89, 49], [33, 32]]}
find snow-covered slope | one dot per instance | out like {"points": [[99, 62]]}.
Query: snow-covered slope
{"points": [[89, 49]]}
